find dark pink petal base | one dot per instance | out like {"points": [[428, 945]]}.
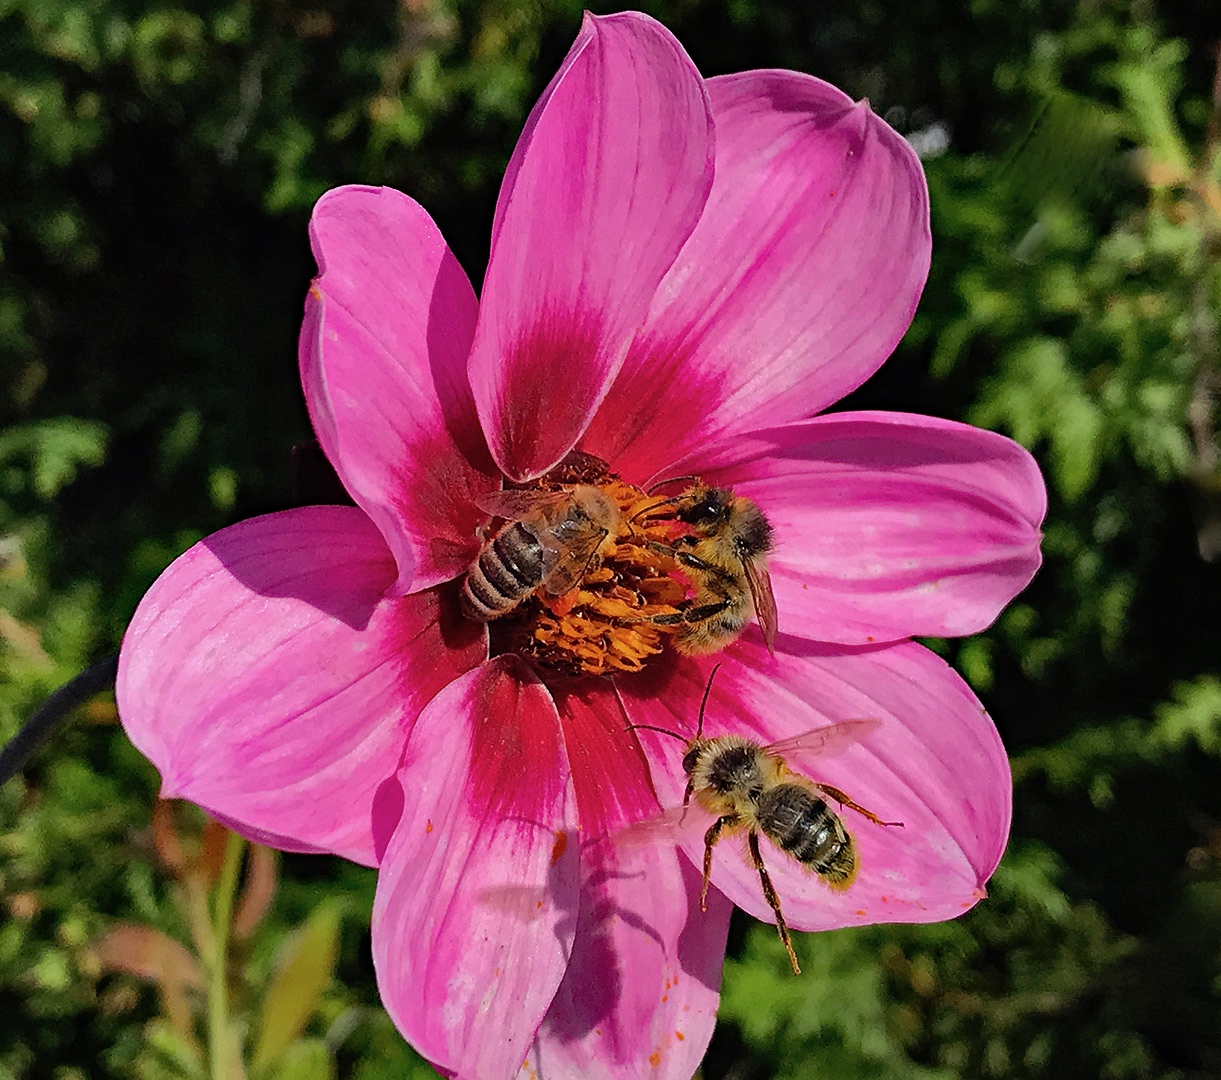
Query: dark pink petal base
{"points": [[478, 893], [607, 182], [388, 327]]}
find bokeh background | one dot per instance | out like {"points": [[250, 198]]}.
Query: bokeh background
{"points": [[157, 167]]}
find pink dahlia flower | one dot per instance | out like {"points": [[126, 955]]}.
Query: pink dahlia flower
{"points": [[682, 273]]}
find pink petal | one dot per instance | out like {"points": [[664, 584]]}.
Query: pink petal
{"points": [[934, 762], [640, 994], [476, 903], [270, 680], [799, 280], [888, 525], [641, 991], [607, 182], [388, 327]]}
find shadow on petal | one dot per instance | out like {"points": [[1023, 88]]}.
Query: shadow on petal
{"points": [[316, 565], [640, 993]]}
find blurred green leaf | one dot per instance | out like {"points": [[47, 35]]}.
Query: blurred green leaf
{"points": [[1194, 715], [304, 969], [55, 450], [1040, 398], [305, 1059], [169, 1056]]}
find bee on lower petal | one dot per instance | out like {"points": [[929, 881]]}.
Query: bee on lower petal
{"points": [[724, 552], [749, 788], [549, 541]]}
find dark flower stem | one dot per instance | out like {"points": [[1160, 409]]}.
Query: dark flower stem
{"points": [[53, 713]]}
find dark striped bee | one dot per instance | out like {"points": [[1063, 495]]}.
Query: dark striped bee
{"points": [[749, 788], [549, 540], [724, 552]]}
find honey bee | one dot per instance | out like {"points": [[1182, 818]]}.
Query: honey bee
{"points": [[725, 555], [549, 540], [749, 788]]}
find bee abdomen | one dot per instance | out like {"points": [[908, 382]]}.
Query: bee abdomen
{"points": [[806, 828], [508, 570]]}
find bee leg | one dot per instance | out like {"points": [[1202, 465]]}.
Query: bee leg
{"points": [[769, 894], [686, 617], [841, 798], [685, 558], [669, 548], [710, 837], [705, 612]]}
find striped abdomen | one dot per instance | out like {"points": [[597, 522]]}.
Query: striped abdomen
{"points": [[806, 828], [509, 568]]}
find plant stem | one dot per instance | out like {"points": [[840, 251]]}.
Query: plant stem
{"points": [[53, 713], [219, 1049]]}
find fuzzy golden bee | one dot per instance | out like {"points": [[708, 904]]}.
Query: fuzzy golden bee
{"points": [[548, 541], [749, 788], [724, 552]]}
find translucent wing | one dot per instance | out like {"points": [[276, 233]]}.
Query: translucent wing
{"points": [[513, 503], [823, 741], [760, 582], [567, 552], [674, 825]]}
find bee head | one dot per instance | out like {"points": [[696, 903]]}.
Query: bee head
{"points": [[752, 532], [709, 508], [692, 758]]}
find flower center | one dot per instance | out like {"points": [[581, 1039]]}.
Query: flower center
{"points": [[580, 578], [588, 575]]}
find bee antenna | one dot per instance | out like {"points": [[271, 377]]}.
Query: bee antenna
{"points": [[653, 727], [651, 507], [704, 704], [673, 480]]}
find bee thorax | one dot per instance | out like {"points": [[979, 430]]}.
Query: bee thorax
{"points": [[731, 769]]}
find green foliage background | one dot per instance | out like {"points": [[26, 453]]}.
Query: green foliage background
{"points": [[157, 167]]}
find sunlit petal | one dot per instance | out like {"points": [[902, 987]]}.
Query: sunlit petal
{"points": [[888, 525], [640, 994], [607, 182], [799, 280], [388, 327], [270, 680], [934, 762]]}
